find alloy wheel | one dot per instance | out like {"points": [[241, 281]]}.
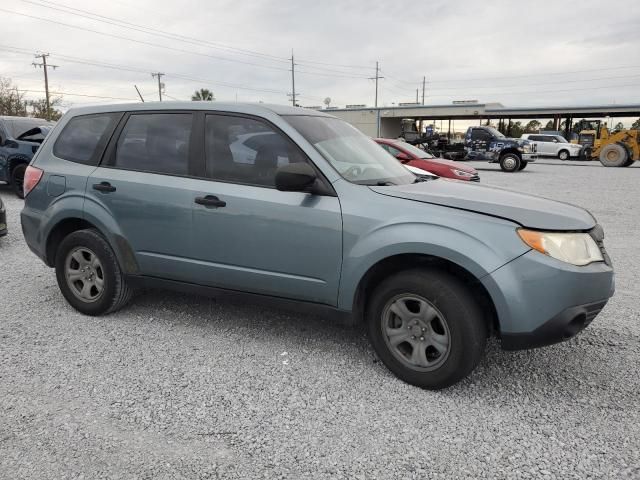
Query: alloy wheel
{"points": [[84, 274]]}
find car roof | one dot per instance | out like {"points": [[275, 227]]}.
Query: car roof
{"points": [[259, 109]]}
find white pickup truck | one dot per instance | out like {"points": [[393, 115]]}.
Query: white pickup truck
{"points": [[553, 146]]}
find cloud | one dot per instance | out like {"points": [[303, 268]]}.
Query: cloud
{"points": [[506, 51]]}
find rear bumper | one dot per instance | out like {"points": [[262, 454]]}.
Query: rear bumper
{"points": [[540, 300], [31, 222]]}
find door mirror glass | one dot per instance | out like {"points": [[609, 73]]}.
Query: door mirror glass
{"points": [[295, 177]]}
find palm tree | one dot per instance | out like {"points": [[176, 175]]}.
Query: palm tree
{"points": [[203, 94]]}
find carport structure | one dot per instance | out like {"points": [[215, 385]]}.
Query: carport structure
{"points": [[386, 121]]}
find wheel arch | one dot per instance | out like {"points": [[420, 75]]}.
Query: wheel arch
{"points": [[408, 261], [512, 150], [68, 225]]}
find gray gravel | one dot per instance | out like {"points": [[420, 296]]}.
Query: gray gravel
{"points": [[176, 386]]}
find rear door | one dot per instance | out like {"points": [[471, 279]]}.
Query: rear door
{"points": [[142, 190], [251, 237]]}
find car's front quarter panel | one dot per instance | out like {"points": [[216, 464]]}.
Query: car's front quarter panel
{"points": [[377, 227]]}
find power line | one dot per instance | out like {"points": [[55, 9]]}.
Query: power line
{"points": [[148, 30], [75, 94]]}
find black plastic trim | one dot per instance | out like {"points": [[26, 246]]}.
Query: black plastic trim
{"points": [[563, 326]]}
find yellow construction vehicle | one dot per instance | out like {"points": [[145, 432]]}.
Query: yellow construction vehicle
{"points": [[619, 148]]}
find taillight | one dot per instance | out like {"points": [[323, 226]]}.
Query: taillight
{"points": [[31, 178]]}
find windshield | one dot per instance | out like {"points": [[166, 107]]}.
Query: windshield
{"points": [[356, 157], [495, 132], [415, 151], [561, 139]]}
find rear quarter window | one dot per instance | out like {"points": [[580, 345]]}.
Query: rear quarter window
{"points": [[84, 138]]}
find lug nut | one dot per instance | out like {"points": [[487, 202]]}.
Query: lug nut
{"points": [[422, 339], [413, 337]]}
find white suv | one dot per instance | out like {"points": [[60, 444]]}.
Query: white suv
{"points": [[553, 146]]}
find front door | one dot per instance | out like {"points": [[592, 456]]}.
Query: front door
{"points": [[248, 236]]}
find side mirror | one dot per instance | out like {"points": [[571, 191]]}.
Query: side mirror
{"points": [[295, 177], [403, 157]]}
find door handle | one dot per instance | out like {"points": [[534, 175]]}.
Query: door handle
{"points": [[104, 187], [210, 201]]}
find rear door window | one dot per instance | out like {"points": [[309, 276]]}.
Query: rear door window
{"points": [[84, 138], [156, 143]]}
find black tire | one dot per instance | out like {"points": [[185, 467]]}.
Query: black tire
{"points": [[613, 155], [451, 299], [510, 162], [523, 165], [629, 162], [564, 155], [17, 179], [586, 154], [115, 291]]}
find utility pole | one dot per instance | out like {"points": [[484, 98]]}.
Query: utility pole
{"points": [[416, 96], [293, 81], [139, 94], [159, 75], [424, 82], [376, 78], [44, 66]]}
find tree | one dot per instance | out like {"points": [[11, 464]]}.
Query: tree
{"points": [[203, 94], [636, 125], [549, 125], [39, 108], [532, 127], [516, 130], [11, 99]]}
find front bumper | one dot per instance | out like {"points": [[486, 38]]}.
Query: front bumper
{"points": [[540, 300], [529, 157]]}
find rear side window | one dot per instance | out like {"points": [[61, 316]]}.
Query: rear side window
{"points": [[84, 138], [156, 143], [245, 150]]}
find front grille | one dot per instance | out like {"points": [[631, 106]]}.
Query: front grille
{"points": [[475, 178]]}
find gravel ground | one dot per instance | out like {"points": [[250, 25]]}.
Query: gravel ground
{"points": [[176, 386]]}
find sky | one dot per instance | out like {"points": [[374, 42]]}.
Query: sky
{"points": [[517, 53]]}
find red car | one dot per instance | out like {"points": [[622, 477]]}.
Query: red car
{"points": [[414, 157]]}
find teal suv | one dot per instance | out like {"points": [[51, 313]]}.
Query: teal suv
{"points": [[294, 205]]}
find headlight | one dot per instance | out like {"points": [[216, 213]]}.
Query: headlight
{"points": [[461, 173], [575, 248], [525, 148]]}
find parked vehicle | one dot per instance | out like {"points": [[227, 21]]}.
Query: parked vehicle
{"points": [[431, 141], [619, 148], [415, 157], [487, 143], [553, 146], [3, 220], [20, 137], [151, 195]]}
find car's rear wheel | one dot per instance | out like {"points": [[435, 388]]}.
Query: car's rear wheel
{"points": [[89, 275], [17, 179], [426, 327], [563, 155], [510, 162], [523, 165]]}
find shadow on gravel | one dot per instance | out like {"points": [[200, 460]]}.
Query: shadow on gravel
{"points": [[590, 364]]}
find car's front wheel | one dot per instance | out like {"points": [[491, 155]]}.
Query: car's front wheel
{"points": [[89, 275], [510, 162], [426, 327]]}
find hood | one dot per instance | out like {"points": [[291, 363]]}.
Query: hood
{"points": [[527, 210], [451, 164]]}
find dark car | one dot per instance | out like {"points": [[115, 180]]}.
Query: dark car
{"points": [[487, 143], [415, 157], [20, 138], [3, 220]]}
